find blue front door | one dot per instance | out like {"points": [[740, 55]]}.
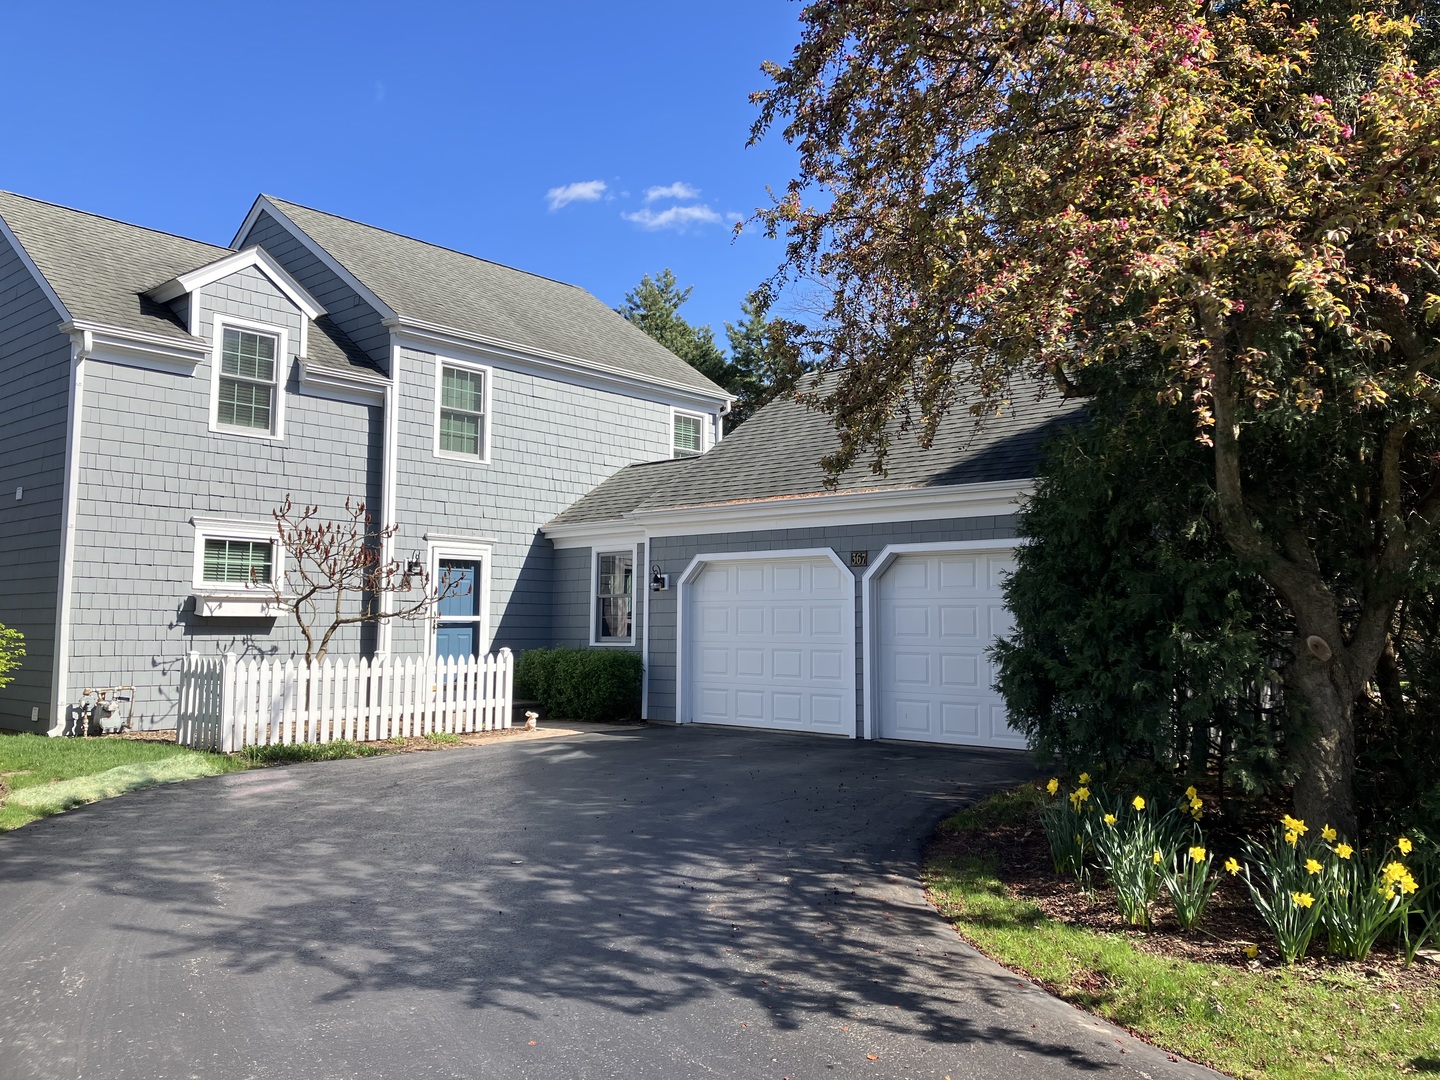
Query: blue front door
{"points": [[457, 632]]}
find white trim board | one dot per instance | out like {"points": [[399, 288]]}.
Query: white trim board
{"points": [[869, 585], [430, 339], [40, 279], [684, 714], [264, 205], [823, 511], [251, 257], [60, 673], [336, 384]]}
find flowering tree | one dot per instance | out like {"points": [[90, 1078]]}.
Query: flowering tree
{"points": [[334, 575], [12, 651], [1242, 191]]}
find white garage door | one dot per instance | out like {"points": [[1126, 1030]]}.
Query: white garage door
{"points": [[936, 615], [770, 643]]}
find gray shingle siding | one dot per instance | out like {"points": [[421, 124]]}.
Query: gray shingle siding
{"points": [[149, 463], [550, 442], [674, 553], [573, 576], [35, 367], [344, 306]]}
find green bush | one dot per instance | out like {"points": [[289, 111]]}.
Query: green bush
{"points": [[12, 651], [581, 684], [294, 753]]}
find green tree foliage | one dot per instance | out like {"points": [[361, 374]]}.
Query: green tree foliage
{"points": [[1139, 635], [12, 651], [759, 368], [654, 306], [1244, 191]]}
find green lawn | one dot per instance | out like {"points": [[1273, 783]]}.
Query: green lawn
{"points": [[1268, 1023], [46, 776]]}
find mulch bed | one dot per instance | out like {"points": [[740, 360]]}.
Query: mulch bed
{"points": [[1229, 924]]}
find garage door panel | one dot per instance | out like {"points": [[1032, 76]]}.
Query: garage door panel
{"points": [[960, 623], [937, 615], [957, 575], [788, 634]]}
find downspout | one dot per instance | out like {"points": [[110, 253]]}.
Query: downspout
{"points": [[82, 343], [389, 462]]}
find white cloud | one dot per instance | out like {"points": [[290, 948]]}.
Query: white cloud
{"points": [[678, 190], [675, 217], [581, 191]]}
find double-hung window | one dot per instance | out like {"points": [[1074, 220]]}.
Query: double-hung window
{"points": [[460, 412], [614, 597], [232, 563], [245, 396], [687, 435]]}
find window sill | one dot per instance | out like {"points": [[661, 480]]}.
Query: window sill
{"points": [[445, 455], [236, 606], [627, 643], [247, 433]]}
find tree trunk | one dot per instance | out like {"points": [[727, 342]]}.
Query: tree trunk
{"points": [[1325, 761]]}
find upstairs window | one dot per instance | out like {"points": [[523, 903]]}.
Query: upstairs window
{"points": [[687, 435], [245, 398], [238, 562], [460, 412]]}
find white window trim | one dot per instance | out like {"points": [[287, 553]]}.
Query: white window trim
{"points": [[471, 552], [282, 370], [214, 599], [705, 421], [595, 639], [487, 375]]}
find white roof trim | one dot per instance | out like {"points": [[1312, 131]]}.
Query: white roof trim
{"points": [[264, 205], [428, 336], [253, 256], [337, 384], [822, 510], [24, 257]]}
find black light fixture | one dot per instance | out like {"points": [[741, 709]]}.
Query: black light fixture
{"points": [[416, 566], [658, 582]]}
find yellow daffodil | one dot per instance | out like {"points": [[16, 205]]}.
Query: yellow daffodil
{"points": [[1138, 802], [1109, 819], [1302, 899], [1232, 866], [1252, 951], [1404, 845], [1084, 778], [1406, 884], [1344, 850], [1393, 872], [1191, 793], [1053, 786], [1328, 834], [1292, 838], [1294, 825], [1313, 866], [1156, 857], [1197, 854]]}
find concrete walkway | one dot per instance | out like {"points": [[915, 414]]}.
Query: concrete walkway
{"points": [[653, 902]]}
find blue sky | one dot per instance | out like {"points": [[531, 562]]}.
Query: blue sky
{"points": [[587, 142]]}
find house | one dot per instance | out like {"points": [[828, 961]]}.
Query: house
{"points": [[763, 598], [164, 395]]}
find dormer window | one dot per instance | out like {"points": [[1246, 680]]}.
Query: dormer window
{"points": [[248, 366]]}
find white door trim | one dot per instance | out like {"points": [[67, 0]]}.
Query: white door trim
{"points": [[869, 586], [684, 713], [468, 551]]}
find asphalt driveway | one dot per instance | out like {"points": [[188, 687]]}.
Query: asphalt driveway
{"points": [[656, 902]]}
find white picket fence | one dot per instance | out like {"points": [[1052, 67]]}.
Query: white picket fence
{"points": [[227, 703]]}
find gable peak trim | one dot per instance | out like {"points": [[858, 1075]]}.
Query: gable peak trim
{"points": [[254, 257]]}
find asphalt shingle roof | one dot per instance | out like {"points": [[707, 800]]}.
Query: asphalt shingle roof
{"points": [[776, 455], [472, 296], [101, 268]]}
